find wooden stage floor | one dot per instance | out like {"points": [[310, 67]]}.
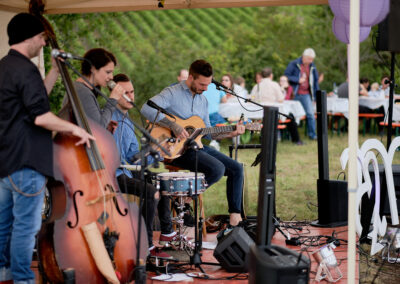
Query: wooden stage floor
{"points": [[279, 239]]}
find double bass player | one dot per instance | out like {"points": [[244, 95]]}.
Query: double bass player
{"points": [[26, 152]]}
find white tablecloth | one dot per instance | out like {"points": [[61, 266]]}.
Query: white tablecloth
{"points": [[396, 113], [338, 105], [234, 110], [341, 105], [373, 103]]}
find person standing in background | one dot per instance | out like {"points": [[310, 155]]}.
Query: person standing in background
{"points": [[303, 77]]}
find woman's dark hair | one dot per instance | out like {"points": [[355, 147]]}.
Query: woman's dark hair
{"points": [[96, 57], [200, 67]]}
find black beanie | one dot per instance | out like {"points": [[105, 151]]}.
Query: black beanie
{"points": [[22, 27]]}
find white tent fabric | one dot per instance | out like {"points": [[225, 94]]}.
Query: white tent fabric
{"points": [[90, 6]]}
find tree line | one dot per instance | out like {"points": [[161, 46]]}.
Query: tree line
{"points": [[152, 46]]}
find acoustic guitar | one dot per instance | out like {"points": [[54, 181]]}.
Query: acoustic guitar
{"points": [[195, 126]]}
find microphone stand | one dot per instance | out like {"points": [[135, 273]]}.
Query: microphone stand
{"points": [[195, 259], [246, 100], [140, 268]]}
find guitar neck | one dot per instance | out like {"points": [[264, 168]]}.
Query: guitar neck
{"points": [[218, 129]]}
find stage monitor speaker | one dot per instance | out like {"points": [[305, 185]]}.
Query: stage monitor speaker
{"points": [[332, 203], [277, 265], [388, 38], [233, 249], [384, 205]]}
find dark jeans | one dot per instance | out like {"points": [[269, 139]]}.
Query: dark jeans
{"points": [[307, 104], [213, 164], [136, 186]]}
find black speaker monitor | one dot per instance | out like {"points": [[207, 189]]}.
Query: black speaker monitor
{"points": [[388, 38], [277, 265], [232, 250]]}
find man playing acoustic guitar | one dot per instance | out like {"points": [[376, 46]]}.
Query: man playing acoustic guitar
{"points": [[185, 100]]}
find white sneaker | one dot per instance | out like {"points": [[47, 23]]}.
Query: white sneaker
{"points": [[214, 144]]}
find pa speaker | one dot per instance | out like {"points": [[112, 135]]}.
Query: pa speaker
{"points": [[277, 265], [232, 250], [332, 203], [384, 199], [388, 38]]}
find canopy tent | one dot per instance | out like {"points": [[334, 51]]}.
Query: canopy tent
{"points": [[90, 6]]}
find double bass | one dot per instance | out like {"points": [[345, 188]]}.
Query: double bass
{"points": [[91, 230]]}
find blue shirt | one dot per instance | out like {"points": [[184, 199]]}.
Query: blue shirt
{"points": [[126, 141], [213, 97], [179, 101]]}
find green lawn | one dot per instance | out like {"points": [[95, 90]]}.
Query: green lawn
{"points": [[296, 177]]}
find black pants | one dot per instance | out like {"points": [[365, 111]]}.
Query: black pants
{"points": [[136, 186], [292, 128]]}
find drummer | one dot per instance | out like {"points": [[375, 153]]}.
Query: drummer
{"points": [[128, 147]]}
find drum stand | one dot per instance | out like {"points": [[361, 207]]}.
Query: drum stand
{"points": [[183, 242]]}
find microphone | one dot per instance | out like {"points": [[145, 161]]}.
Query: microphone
{"points": [[218, 84], [222, 87], [152, 104], [64, 55], [111, 84]]}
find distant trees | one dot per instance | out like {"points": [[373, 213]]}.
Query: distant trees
{"points": [[151, 46]]}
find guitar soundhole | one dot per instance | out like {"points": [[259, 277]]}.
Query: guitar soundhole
{"points": [[190, 129]]}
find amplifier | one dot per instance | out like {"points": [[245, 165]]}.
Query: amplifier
{"points": [[274, 264], [232, 250]]}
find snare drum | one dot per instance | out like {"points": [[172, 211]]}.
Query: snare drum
{"points": [[180, 183]]}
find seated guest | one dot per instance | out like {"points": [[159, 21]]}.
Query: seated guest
{"points": [[227, 81], [286, 89], [375, 92], [343, 92], [385, 85], [182, 76], [239, 87], [365, 83], [128, 147], [214, 98], [268, 91]]}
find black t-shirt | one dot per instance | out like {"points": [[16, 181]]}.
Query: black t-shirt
{"points": [[23, 97]]}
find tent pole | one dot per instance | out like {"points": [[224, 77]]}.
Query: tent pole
{"points": [[353, 67]]}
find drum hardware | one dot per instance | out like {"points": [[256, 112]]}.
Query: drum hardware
{"points": [[182, 241], [181, 185]]}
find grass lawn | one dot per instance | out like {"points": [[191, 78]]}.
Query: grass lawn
{"points": [[296, 177]]}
